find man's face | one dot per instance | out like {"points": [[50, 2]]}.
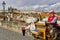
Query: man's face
{"points": [[51, 14]]}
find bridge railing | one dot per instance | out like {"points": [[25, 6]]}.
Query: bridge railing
{"points": [[13, 25]]}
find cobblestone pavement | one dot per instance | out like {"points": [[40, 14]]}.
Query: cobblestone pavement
{"points": [[9, 35]]}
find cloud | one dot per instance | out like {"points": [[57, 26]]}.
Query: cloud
{"points": [[32, 4], [56, 7]]}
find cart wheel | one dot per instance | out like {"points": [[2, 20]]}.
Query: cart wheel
{"points": [[54, 37]]}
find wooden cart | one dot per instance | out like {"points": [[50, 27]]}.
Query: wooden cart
{"points": [[41, 33]]}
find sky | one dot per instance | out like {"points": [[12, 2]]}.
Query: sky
{"points": [[46, 5]]}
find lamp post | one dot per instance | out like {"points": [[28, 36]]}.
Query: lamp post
{"points": [[3, 4]]}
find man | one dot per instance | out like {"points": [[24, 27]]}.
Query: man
{"points": [[52, 18], [31, 26]]}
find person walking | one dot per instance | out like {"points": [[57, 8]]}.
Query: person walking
{"points": [[23, 30]]}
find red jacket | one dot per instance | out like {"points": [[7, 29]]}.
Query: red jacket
{"points": [[50, 19]]}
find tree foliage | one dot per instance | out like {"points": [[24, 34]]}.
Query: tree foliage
{"points": [[58, 13]]}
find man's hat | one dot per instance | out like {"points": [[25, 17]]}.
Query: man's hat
{"points": [[51, 12]]}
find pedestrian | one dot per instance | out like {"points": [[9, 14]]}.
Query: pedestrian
{"points": [[23, 30]]}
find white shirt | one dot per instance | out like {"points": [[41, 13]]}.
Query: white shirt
{"points": [[31, 27]]}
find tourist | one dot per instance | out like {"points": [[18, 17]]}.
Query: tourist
{"points": [[23, 30]]}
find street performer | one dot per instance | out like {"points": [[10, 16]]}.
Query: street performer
{"points": [[52, 18]]}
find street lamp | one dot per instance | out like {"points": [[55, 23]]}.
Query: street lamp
{"points": [[3, 4]]}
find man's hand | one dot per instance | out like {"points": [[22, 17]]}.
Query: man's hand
{"points": [[49, 23]]}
